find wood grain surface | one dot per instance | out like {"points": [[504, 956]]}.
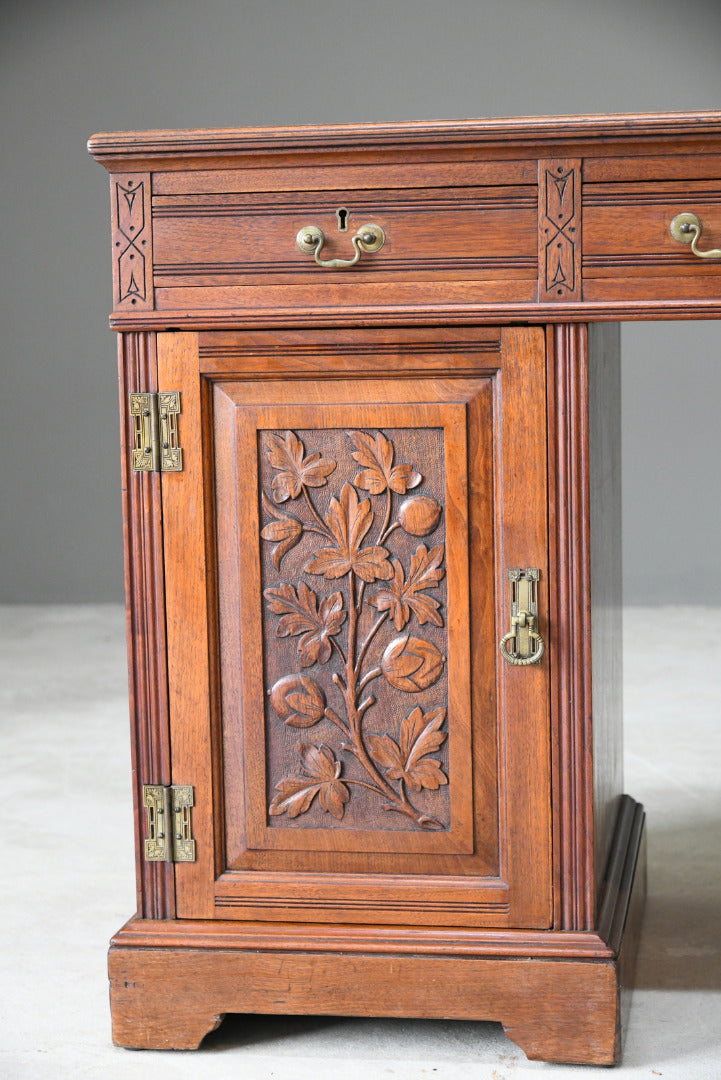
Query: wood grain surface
{"points": [[389, 819]]}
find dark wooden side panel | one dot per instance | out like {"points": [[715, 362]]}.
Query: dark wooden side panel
{"points": [[145, 608], [604, 431]]}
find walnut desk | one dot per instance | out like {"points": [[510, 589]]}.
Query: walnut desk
{"points": [[369, 390]]}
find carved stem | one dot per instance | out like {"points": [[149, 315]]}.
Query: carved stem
{"points": [[313, 528], [423, 820], [355, 714], [400, 802], [352, 691], [362, 783], [352, 636], [372, 674], [364, 647], [389, 502], [335, 644], [323, 528], [384, 788], [332, 715]]}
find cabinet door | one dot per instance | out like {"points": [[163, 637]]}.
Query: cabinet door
{"points": [[336, 553]]}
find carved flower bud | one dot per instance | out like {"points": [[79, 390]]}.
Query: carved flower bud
{"points": [[419, 515], [411, 663], [298, 700]]}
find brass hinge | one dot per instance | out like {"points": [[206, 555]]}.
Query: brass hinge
{"points": [[170, 834], [155, 432]]}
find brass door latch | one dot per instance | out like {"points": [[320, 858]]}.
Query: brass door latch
{"points": [[523, 644]]}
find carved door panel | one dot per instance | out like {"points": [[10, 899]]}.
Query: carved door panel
{"points": [[337, 550]]}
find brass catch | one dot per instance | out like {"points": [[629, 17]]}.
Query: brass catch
{"points": [[523, 644]]}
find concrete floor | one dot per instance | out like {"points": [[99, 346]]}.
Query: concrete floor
{"points": [[67, 881]]}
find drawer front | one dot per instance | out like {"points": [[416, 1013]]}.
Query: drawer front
{"points": [[225, 240], [513, 238], [210, 240], [628, 249]]}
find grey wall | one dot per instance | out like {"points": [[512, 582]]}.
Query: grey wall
{"points": [[69, 68]]}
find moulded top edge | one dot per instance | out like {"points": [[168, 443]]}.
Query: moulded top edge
{"points": [[110, 145]]}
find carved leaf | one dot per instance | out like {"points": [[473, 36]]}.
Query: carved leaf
{"points": [[286, 531], [294, 796], [349, 520], [301, 615], [379, 472], [406, 759], [411, 664], [294, 469], [401, 597], [296, 793], [387, 753], [298, 700]]}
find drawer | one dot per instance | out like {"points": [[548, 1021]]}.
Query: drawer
{"points": [[211, 247], [628, 250]]}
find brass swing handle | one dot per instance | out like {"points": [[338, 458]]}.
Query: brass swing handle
{"points": [[686, 228], [527, 644], [311, 239]]}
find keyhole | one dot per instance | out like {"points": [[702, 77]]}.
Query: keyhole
{"points": [[342, 215]]}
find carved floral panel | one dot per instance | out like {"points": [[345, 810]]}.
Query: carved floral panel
{"points": [[354, 628]]}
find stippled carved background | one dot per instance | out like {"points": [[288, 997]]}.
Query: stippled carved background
{"points": [[354, 627]]}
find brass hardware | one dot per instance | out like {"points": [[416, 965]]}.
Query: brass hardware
{"points": [[170, 837], [171, 455], [145, 433], [155, 432], [527, 644], [686, 228], [311, 240]]}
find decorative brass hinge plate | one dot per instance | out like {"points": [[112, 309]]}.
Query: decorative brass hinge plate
{"points": [[155, 432], [170, 836]]}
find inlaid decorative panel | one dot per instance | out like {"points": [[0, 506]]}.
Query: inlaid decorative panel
{"points": [[354, 627], [559, 230], [132, 241]]}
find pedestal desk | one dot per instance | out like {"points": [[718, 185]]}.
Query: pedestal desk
{"points": [[369, 383]]}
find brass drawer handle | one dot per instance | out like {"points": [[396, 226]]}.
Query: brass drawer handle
{"points": [[686, 228], [528, 646], [311, 239]]}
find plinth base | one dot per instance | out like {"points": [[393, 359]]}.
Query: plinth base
{"points": [[557, 993]]}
